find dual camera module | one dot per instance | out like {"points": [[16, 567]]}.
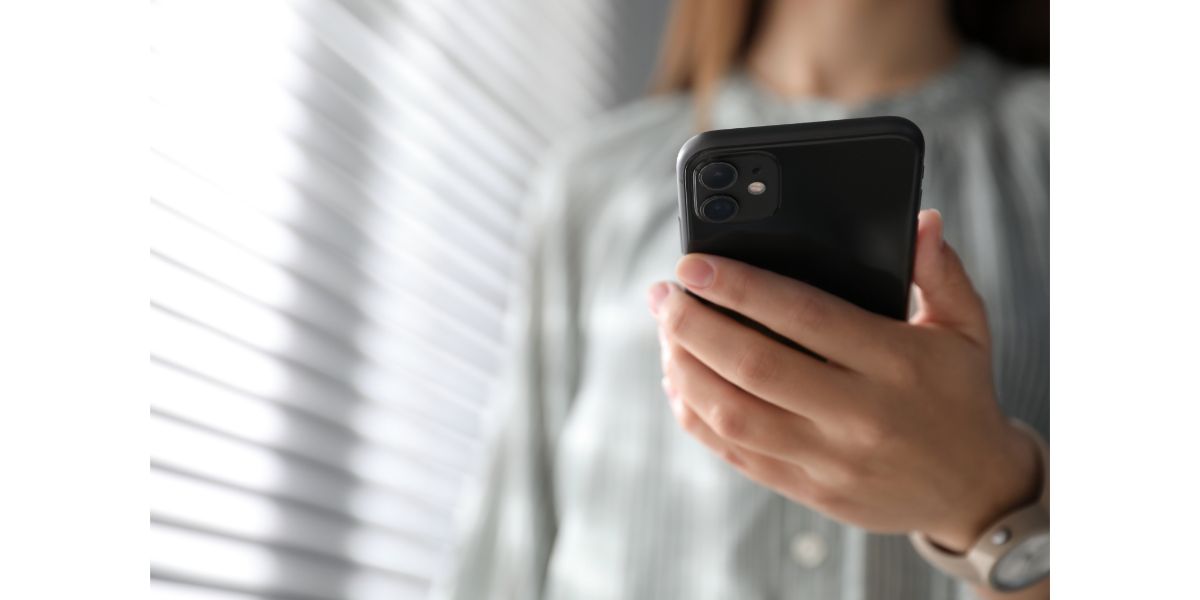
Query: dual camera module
{"points": [[737, 187], [718, 176]]}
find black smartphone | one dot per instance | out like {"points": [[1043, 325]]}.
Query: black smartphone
{"points": [[833, 204]]}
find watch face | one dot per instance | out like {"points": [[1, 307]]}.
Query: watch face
{"points": [[1024, 564]]}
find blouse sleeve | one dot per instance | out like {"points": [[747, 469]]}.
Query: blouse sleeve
{"points": [[511, 518]]}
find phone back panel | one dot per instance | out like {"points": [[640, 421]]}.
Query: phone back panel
{"points": [[845, 209]]}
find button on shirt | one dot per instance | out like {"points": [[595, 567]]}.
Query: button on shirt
{"points": [[809, 549], [592, 491]]}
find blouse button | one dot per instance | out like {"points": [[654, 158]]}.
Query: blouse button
{"points": [[809, 549]]}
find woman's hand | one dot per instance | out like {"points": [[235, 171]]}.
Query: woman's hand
{"points": [[899, 431]]}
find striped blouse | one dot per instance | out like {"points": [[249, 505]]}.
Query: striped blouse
{"points": [[592, 492]]}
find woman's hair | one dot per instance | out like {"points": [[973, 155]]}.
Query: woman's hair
{"points": [[703, 41], [707, 38]]}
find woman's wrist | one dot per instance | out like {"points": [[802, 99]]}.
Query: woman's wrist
{"points": [[1010, 480]]}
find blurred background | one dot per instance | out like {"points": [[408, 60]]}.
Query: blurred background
{"points": [[335, 196]]}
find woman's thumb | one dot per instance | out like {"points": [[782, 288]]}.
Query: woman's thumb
{"points": [[944, 292]]}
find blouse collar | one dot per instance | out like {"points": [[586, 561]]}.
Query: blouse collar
{"points": [[740, 102]]}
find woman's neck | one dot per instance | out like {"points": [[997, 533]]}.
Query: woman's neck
{"points": [[849, 52]]}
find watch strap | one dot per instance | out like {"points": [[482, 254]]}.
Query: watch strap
{"points": [[975, 565]]}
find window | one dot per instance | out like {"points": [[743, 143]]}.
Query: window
{"points": [[335, 189]]}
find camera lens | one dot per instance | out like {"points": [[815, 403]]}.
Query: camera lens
{"points": [[718, 175], [719, 209]]}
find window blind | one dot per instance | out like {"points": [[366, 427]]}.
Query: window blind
{"points": [[334, 192]]}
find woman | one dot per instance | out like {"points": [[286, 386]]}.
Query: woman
{"points": [[596, 492]]}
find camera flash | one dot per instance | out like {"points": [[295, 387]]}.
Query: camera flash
{"points": [[756, 187]]}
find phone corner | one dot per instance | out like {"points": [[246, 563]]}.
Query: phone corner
{"points": [[907, 129]]}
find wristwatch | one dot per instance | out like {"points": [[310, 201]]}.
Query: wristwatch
{"points": [[1014, 552]]}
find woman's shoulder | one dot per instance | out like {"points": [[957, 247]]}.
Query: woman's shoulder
{"points": [[1000, 106], [988, 94], [617, 146], [1020, 123], [1023, 99], [620, 137], [637, 123]]}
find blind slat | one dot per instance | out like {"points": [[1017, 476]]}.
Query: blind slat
{"points": [[190, 556], [332, 355], [454, 225], [170, 590], [408, 270], [400, 66], [424, 240], [191, 503], [182, 447], [198, 350], [296, 89], [410, 523], [265, 422], [290, 279]]}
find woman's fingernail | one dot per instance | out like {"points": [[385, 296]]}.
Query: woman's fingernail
{"points": [[941, 226], [668, 389], [676, 405], [655, 296], [695, 272]]}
